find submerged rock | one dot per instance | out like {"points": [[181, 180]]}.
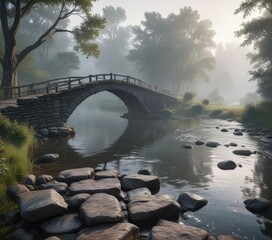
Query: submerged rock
{"points": [[232, 144], [143, 209], [50, 157], [191, 202], [37, 205], [119, 231], [101, 208], [171, 230], [199, 142], [227, 165], [187, 146]]}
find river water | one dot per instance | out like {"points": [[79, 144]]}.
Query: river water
{"points": [[104, 139]]}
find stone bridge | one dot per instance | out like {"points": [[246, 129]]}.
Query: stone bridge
{"points": [[49, 104]]}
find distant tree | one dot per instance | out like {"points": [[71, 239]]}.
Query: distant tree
{"points": [[114, 41], [174, 51], [12, 12], [250, 98], [258, 33], [215, 97]]}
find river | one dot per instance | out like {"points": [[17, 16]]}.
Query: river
{"points": [[104, 139]]}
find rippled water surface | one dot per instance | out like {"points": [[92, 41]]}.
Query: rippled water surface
{"points": [[103, 138]]}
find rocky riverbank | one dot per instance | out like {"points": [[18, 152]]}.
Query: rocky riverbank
{"points": [[87, 203]]}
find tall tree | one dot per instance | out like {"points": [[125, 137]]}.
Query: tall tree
{"points": [[258, 33], [174, 51], [13, 11], [114, 41]]}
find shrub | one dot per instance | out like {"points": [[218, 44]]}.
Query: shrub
{"points": [[205, 101], [187, 97], [196, 110]]}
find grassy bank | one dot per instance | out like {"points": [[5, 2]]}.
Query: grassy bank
{"points": [[15, 143], [259, 114]]}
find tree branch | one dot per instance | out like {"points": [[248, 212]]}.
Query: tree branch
{"points": [[27, 7], [63, 30], [50, 32], [268, 9], [17, 17]]}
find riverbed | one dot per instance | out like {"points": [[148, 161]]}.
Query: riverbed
{"points": [[105, 139]]}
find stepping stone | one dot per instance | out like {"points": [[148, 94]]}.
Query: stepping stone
{"points": [[232, 144], [60, 187], [224, 130], [187, 146], [191, 202], [132, 181], [119, 231], [68, 223], [171, 230], [74, 175], [238, 133], [227, 165], [143, 209], [101, 208], [110, 186], [242, 152], [37, 205], [136, 192], [145, 171], [76, 200], [50, 157], [106, 174], [212, 144], [257, 204]]}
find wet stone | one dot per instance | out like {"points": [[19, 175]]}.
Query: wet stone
{"points": [[74, 175], [16, 189], [191, 202], [68, 223], [224, 130], [133, 181], [257, 204], [119, 231], [44, 178], [76, 200], [171, 230], [50, 157], [106, 174], [227, 237], [232, 144], [212, 144], [60, 187], [227, 165], [110, 186], [145, 171], [143, 209], [199, 142], [22, 234], [101, 208], [187, 146], [136, 192], [30, 179], [242, 152], [37, 205], [238, 133]]}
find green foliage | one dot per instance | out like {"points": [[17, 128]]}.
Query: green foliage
{"points": [[259, 114], [174, 51], [187, 97], [258, 33], [15, 143], [206, 101], [196, 110]]}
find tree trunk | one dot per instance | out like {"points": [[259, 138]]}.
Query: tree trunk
{"points": [[9, 76]]}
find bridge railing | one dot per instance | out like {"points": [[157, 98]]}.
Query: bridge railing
{"points": [[67, 83]]}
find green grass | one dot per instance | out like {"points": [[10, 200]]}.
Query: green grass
{"points": [[16, 141]]}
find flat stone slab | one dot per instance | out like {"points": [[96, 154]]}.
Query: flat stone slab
{"points": [[136, 192], [101, 208], [133, 181], [191, 202], [74, 175], [110, 186], [37, 205], [227, 165], [106, 174], [119, 231], [68, 223], [171, 230], [152, 208], [76, 200], [242, 152], [60, 187]]}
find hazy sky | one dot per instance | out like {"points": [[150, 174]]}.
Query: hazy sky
{"points": [[221, 12]]}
